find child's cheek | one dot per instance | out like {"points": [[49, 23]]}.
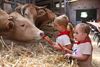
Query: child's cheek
{"points": [[77, 37]]}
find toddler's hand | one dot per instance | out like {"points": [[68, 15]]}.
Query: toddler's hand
{"points": [[67, 55]]}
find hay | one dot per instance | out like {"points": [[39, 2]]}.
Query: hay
{"points": [[37, 55]]}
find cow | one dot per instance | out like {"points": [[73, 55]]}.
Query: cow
{"points": [[38, 15], [5, 24], [23, 29]]}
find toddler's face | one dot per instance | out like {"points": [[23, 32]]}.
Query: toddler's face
{"points": [[58, 26], [79, 35]]}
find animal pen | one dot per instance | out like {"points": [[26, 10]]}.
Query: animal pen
{"points": [[39, 53]]}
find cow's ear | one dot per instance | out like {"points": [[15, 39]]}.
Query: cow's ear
{"points": [[18, 9], [11, 24], [41, 12]]}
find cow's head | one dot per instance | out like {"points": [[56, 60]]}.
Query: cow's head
{"points": [[26, 11], [5, 24], [24, 29], [39, 15]]}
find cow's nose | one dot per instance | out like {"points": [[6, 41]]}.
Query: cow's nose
{"points": [[42, 34]]}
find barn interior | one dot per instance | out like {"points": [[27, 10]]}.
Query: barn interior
{"points": [[71, 8], [40, 53]]}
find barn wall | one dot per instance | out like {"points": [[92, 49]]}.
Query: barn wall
{"points": [[83, 4]]}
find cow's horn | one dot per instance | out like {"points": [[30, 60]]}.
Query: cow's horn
{"points": [[42, 7]]}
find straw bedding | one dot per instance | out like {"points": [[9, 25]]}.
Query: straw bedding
{"points": [[36, 55]]}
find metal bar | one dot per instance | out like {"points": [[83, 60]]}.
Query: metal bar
{"points": [[65, 6]]}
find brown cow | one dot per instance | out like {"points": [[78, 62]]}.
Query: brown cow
{"points": [[23, 29], [5, 24], [39, 15]]}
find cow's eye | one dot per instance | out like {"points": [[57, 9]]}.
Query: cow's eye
{"points": [[22, 25]]}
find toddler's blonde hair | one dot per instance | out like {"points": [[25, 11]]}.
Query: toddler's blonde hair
{"points": [[84, 27], [61, 20]]}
